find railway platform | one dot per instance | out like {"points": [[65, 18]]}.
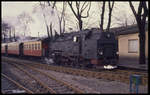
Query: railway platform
{"points": [[132, 64]]}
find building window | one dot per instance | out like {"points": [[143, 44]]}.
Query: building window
{"points": [[133, 46]]}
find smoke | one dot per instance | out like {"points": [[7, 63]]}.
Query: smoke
{"points": [[49, 61]]}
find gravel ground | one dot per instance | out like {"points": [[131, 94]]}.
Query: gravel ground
{"points": [[92, 85], [7, 86], [22, 78], [88, 85]]}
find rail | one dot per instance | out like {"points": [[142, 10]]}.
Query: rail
{"points": [[16, 83]]}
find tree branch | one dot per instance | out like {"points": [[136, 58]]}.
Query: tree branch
{"points": [[132, 8], [70, 4], [87, 11]]}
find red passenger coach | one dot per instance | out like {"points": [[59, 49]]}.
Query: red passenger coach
{"points": [[35, 48], [32, 48], [13, 48]]}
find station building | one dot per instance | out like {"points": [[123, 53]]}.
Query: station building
{"points": [[128, 43]]}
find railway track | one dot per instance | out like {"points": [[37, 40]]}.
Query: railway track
{"points": [[57, 86], [30, 81], [48, 81], [21, 88], [116, 75]]}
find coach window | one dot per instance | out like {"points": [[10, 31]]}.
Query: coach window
{"points": [[35, 46], [29, 46], [32, 46], [39, 46], [25, 47]]}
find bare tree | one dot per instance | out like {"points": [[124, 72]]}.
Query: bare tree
{"points": [[10, 32], [141, 20], [80, 9], [61, 18], [102, 17], [5, 30], [25, 19], [47, 10], [47, 27], [14, 33], [110, 12], [124, 20], [51, 4]]}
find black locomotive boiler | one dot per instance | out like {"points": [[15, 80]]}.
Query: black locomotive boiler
{"points": [[88, 48]]}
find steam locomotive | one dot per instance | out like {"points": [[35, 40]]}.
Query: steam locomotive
{"points": [[87, 48]]}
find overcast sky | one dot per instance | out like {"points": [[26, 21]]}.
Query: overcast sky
{"points": [[13, 9]]}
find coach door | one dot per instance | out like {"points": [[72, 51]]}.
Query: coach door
{"points": [[45, 49], [21, 49]]}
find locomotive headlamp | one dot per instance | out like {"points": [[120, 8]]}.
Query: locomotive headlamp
{"points": [[117, 52], [75, 39], [108, 35], [100, 52], [53, 54]]}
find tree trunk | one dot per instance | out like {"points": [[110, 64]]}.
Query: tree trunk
{"points": [[14, 36], [110, 12], [60, 27], [141, 20], [48, 31], [4, 38], [51, 30], [142, 49], [63, 25], [10, 34], [142, 43], [102, 16], [109, 22], [80, 24]]}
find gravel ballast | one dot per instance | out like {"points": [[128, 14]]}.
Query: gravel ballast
{"points": [[88, 85], [93, 85]]}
